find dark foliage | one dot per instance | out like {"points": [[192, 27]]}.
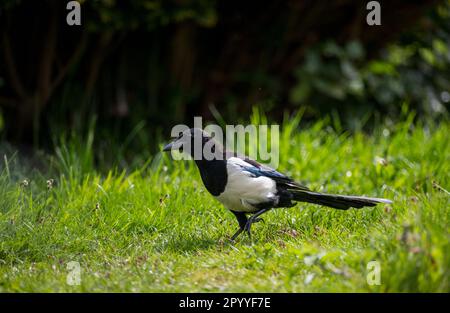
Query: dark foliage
{"points": [[165, 61]]}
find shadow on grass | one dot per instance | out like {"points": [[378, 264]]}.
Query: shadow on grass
{"points": [[166, 239], [187, 244]]}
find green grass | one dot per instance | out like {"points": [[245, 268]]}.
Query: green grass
{"points": [[157, 229]]}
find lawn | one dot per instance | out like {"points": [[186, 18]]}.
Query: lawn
{"points": [[156, 228]]}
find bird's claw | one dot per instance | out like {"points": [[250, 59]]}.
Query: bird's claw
{"points": [[247, 227], [249, 224], [258, 219]]}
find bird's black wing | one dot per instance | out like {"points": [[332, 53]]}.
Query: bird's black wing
{"points": [[282, 180]]}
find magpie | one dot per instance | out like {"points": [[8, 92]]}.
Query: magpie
{"points": [[246, 187]]}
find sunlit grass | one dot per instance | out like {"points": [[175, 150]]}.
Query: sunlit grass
{"points": [[157, 229]]}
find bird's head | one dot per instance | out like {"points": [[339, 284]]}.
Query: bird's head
{"points": [[195, 142]]}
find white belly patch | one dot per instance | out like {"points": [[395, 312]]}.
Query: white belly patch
{"points": [[243, 191]]}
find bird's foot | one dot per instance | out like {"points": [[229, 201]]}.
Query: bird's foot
{"points": [[250, 221], [246, 228], [258, 219]]}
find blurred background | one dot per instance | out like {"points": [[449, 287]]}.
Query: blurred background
{"points": [[134, 68]]}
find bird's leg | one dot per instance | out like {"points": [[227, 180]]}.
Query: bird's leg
{"points": [[242, 220], [254, 219], [240, 230]]}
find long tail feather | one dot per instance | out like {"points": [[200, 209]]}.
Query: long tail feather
{"points": [[336, 201]]}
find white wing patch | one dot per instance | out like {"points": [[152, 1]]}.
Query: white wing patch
{"points": [[243, 191]]}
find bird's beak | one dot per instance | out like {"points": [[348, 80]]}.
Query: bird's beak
{"points": [[168, 147]]}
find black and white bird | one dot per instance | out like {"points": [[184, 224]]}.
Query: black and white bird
{"points": [[246, 187]]}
